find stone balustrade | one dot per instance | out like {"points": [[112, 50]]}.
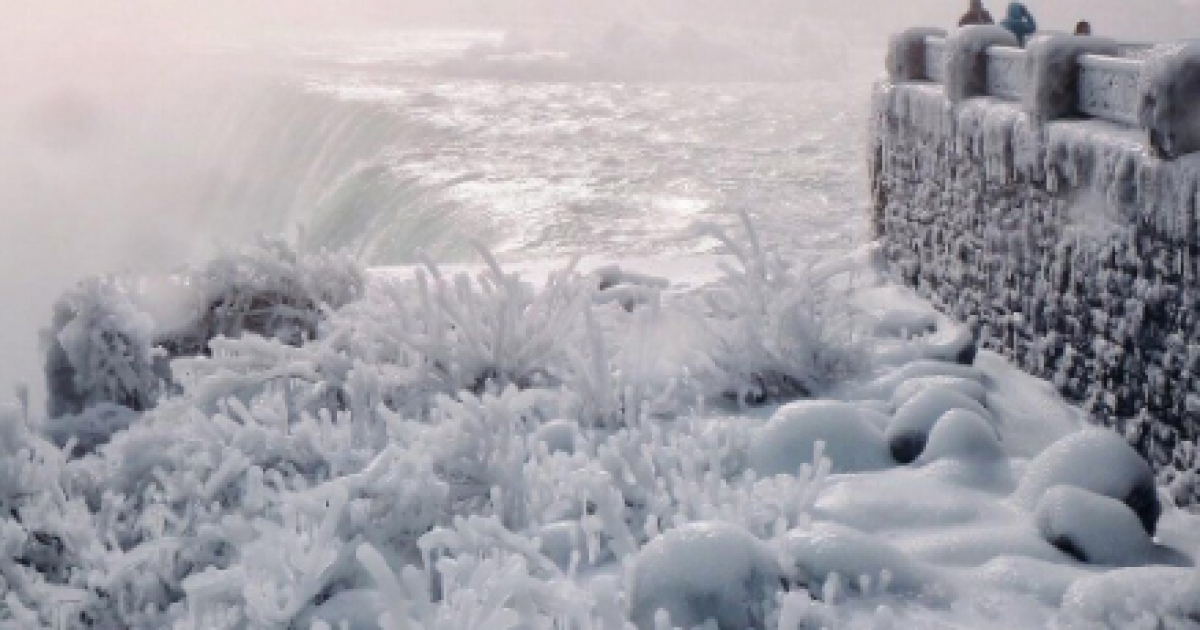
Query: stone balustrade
{"points": [[1049, 196], [1133, 84]]}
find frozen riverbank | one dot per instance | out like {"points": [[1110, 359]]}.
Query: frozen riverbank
{"points": [[453, 452]]}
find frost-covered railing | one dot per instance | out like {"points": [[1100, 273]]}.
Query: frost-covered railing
{"points": [[1108, 87], [1058, 75], [1005, 72], [935, 58]]}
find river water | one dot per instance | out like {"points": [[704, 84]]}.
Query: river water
{"points": [[614, 141]]}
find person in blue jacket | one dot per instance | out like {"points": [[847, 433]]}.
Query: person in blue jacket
{"points": [[1019, 22]]}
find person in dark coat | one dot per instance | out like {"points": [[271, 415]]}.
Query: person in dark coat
{"points": [[976, 15], [1019, 22], [1083, 27]]}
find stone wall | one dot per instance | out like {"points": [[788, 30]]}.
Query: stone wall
{"points": [[1066, 243]]}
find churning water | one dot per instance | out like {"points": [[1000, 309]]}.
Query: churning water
{"points": [[614, 142]]}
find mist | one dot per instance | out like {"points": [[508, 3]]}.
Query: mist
{"points": [[123, 123]]}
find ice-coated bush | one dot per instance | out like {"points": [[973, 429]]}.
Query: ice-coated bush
{"points": [[106, 347], [777, 329], [100, 349], [270, 289]]}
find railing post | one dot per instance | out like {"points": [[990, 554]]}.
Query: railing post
{"points": [[1169, 99], [906, 53], [966, 59], [1052, 72]]}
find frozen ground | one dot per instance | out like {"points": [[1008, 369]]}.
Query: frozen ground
{"points": [[534, 446]]}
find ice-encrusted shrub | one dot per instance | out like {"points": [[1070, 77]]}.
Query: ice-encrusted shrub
{"points": [[777, 330], [104, 347], [498, 330], [99, 349], [434, 335], [270, 289], [623, 373]]}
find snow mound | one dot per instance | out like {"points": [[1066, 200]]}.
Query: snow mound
{"points": [[963, 435], [957, 344], [909, 429], [1046, 581], [1052, 74], [1098, 461], [703, 571], [1144, 597], [978, 545], [967, 387], [1167, 94], [868, 564], [1092, 528], [789, 440], [884, 387], [966, 61]]}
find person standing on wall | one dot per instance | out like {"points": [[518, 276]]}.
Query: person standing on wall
{"points": [[1019, 22], [976, 15]]}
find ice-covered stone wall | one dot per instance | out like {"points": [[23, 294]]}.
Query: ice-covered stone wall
{"points": [[1071, 242]]}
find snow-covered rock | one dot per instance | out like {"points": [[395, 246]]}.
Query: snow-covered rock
{"points": [[1051, 69], [970, 388], [704, 571], [909, 429], [966, 58], [962, 435], [886, 386], [1092, 527], [851, 440], [1097, 461], [1168, 92]]}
